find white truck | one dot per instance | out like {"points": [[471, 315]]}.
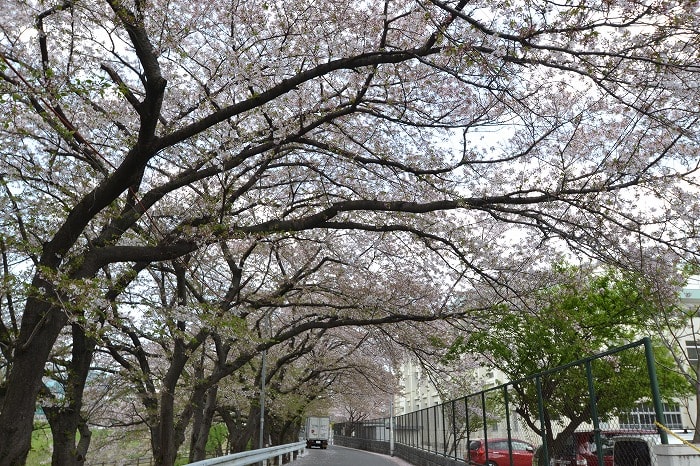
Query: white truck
{"points": [[318, 431]]}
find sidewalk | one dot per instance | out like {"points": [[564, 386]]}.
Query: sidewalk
{"points": [[394, 459], [398, 461]]}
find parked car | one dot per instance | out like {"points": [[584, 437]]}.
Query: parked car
{"points": [[580, 448], [496, 452], [638, 450], [633, 451], [620, 448]]}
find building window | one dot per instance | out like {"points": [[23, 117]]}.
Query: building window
{"points": [[693, 349], [643, 417]]}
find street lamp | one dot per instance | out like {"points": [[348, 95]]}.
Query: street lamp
{"points": [[263, 376]]}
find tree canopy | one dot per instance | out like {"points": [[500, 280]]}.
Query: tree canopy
{"points": [[203, 165]]}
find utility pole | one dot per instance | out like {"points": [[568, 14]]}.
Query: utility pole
{"points": [[263, 376], [261, 443], [391, 426]]}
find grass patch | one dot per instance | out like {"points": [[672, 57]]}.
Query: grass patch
{"points": [[42, 445]]}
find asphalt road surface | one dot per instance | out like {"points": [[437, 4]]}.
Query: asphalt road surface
{"points": [[341, 456]]}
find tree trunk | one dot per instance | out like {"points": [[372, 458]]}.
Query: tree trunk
{"points": [[41, 325], [85, 437], [288, 432], [165, 444], [66, 420], [202, 426], [197, 421], [696, 433], [249, 434], [65, 424], [231, 426], [166, 450]]}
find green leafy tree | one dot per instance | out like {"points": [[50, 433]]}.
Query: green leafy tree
{"points": [[586, 311]]}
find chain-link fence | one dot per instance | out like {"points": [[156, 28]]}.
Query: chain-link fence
{"points": [[580, 414]]}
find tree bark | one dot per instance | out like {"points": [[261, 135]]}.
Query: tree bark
{"points": [[163, 439], [65, 424], [243, 435], [696, 433], [202, 426], [41, 325], [66, 421], [166, 444]]}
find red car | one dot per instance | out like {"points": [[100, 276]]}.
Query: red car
{"points": [[499, 454]]}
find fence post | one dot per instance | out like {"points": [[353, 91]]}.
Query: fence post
{"points": [[435, 427], [508, 427], [469, 428], [421, 442], [594, 411], [484, 420], [414, 437], [540, 412], [454, 428], [444, 431], [428, 427], [655, 392]]}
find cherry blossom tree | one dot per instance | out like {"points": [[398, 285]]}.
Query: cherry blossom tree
{"points": [[470, 137], [186, 342]]}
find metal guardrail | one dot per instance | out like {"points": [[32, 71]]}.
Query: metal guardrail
{"points": [[253, 456]]}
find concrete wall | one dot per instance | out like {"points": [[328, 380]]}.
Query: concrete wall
{"points": [[376, 446], [412, 455], [676, 455], [424, 458]]}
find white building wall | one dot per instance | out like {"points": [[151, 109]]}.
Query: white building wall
{"points": [[417, 391]]}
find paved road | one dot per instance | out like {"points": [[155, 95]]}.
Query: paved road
{"points": [[341, 456]]}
